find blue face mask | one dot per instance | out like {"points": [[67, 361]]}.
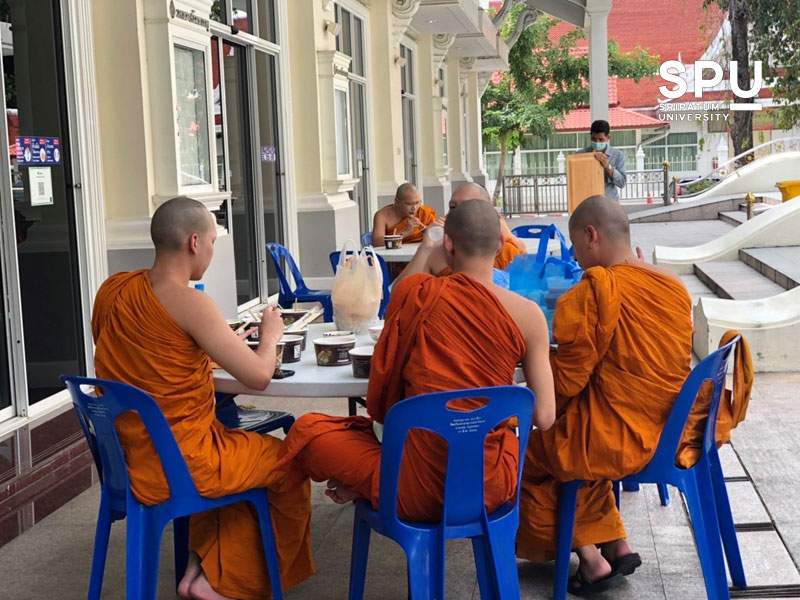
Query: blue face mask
{"points": [[599, 146]]}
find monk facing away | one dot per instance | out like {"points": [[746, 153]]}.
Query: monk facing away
{"points": [[440, 334], [430, 258], [624, 336], [406, 216], [154, 332]]}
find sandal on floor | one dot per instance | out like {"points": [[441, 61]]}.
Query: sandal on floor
{"points": [[626, 564], [578, 585]]}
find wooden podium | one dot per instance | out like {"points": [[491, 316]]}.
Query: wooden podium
{"points": [[585, 178]]}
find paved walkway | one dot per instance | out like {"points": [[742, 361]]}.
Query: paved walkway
{"points": [[52, 559]]}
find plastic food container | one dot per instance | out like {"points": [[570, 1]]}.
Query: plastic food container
{"points": [[292, 348], [361, 358], [334, 351]]}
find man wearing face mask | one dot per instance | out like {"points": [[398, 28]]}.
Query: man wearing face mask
{"points": [[611, 159]]}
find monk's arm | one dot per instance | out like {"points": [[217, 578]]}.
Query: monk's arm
{"points": [[427, 259], [536, 367], [574, 331], [506, 234], [204, 322], [378, 228]]}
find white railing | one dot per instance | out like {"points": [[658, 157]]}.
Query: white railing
{"points": [[766, 149]]}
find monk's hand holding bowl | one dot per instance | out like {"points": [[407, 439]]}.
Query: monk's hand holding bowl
{"points": [[271, 328]]}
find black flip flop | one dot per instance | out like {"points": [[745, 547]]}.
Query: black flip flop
{"points": [[578, 585], [626, 564]]}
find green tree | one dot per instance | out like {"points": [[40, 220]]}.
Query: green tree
{"points": [[769, 31], [546, 80]]}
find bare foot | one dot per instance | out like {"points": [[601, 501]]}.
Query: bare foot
{"points": [[593, 566], [201, 590], [613, 550], [339, 493], [192, 571]]}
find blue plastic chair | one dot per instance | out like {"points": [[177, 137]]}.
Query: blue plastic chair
{"points": [[703, 486], [366, 239], [529, 231], [334, 258], [464, 513], [302, 293], [145, 524]]}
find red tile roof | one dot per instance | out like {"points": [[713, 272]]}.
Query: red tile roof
{"points": [[670, 29], [580, 119]]}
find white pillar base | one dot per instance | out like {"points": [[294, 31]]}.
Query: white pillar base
{"points": [[324, 223], [436, 192]]}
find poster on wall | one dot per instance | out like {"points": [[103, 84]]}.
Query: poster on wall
{"points": [[41, 186], [38, 150]]}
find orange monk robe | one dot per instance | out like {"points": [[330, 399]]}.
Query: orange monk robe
{"points": [[140, 344], [732, 407], [624, 338], [426, 216], [440, 334]]}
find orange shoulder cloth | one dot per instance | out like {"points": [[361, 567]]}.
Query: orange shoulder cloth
{"points": [[438, 335]]}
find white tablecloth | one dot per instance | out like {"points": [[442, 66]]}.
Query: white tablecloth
{"points": [[309, 379]]}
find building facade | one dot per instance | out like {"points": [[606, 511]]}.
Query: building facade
{"points": [[293, 121]]}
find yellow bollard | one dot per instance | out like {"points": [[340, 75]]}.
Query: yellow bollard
{"points": [[789, 189], [750, 203]]}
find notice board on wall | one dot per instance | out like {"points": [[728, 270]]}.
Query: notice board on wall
{"points": [[584, 178]]}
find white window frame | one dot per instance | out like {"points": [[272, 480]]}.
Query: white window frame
{"points": [[186, 39], [412, 45]]}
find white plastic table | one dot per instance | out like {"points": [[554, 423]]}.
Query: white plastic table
{"points": [[309, 379], [406, 252]]}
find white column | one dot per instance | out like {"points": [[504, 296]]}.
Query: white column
{"points": [[435, 187], [456, 136], [516, 167], [722, 150], [562, 162], [474, 130], [598, 58]]}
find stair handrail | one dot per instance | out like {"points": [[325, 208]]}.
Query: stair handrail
{"points": [[722, 169]]}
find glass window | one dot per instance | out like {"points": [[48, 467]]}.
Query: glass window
{"points": [[266, 20], [191, 113], [222, 176], [442, 83], [623, 137], [584, 139], [342, 135], [242, 15], [530, 142], [675, 139], [346, 34], [654, 156], [563, 141], [357, 66], [219, 11], [42, 221], [271, 160], [492, 161]]}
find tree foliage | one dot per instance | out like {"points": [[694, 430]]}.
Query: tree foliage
{"points": [[546, 80]]}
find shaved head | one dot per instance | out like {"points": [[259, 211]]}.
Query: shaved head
{"points": [[606, 216], [176, 220], [474, 228], [407, 191], [469, 191]]}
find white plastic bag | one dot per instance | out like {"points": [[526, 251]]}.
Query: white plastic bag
{"points": [[357, 289]]}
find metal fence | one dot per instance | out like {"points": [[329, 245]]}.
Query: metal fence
{"points": [[535, 194]]}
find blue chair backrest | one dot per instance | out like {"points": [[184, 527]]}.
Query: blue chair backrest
{"points": [[529, 231], [366, 239], [97, 415], [712, 368], [278, 252], [465, 433]]}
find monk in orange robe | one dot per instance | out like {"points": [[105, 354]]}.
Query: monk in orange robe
{"points": [[407, 216], [440, 334], [430, 258], [154, 332], [624, 342]]}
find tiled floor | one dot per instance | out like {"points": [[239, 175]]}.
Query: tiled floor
{"points": [[52, 559]]}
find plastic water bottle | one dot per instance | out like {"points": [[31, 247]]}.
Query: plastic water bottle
{"points": [[435, 233]]}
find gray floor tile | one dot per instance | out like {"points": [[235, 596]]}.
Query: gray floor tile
{"points": [[765, 559]]}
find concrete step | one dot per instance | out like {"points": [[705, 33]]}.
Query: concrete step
{"points": [[696, 288], [781, 265], [735, 280], [737, 217]]}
